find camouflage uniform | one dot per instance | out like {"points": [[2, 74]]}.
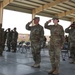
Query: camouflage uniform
{"points": [[1, 40], [56, 41], [71, 40], [36, 35], [43, 42], [9, 39], [14, 40]]}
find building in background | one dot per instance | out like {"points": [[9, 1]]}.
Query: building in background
{"points": [[23, 37]]}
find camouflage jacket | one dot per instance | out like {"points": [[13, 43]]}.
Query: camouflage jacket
{"points": [[57, 34], [37, 32], [1, 36], [14, 36], [9, 36], [71, 32]]}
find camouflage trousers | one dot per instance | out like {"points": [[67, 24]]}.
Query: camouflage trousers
{"points": [[72, 50], [54, 52], [9, 45], [1, 49], [14, 45], [36, 48]]}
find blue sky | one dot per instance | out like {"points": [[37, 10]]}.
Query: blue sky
{"points": [[13, 19]]}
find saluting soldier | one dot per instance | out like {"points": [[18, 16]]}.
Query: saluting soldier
{"points": [[56, 43], [71, 39], [36, 35], [8, 39]]}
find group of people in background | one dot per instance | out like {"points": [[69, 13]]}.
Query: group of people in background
{"points": [[8, 37], [56, 44], [12, 36]]}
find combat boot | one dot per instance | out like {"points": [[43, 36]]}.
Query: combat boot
{"points": [[51, 71], [71, 61], [56, 72], [37, 66], [1, 54], [74, 62], [33, 65]]}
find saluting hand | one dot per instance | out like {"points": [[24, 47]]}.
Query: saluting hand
{"points": [[49, 21], [31, 21]]}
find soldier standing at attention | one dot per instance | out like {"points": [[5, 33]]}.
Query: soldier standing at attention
{"points": [[71, 39], [14, 39], [56, 43], [36, 35], [1, 40], [3, 33], [8, 40]]}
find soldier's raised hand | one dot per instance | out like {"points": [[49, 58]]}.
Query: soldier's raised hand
{"points": [[31, 21], [49, 21]]}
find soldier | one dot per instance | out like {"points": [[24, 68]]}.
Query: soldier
{"points": [[71, 31], [1, 40], [14, 39], [36, 35], [56, 43], [8, 40]]}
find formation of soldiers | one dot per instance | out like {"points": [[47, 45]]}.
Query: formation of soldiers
{"points": [[10, 38], [57, 41]]}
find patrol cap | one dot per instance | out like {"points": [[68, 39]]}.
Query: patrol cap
{"points": [[36, 18], [15, 28], [74, 22], [8, 28], [55, 18]]}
